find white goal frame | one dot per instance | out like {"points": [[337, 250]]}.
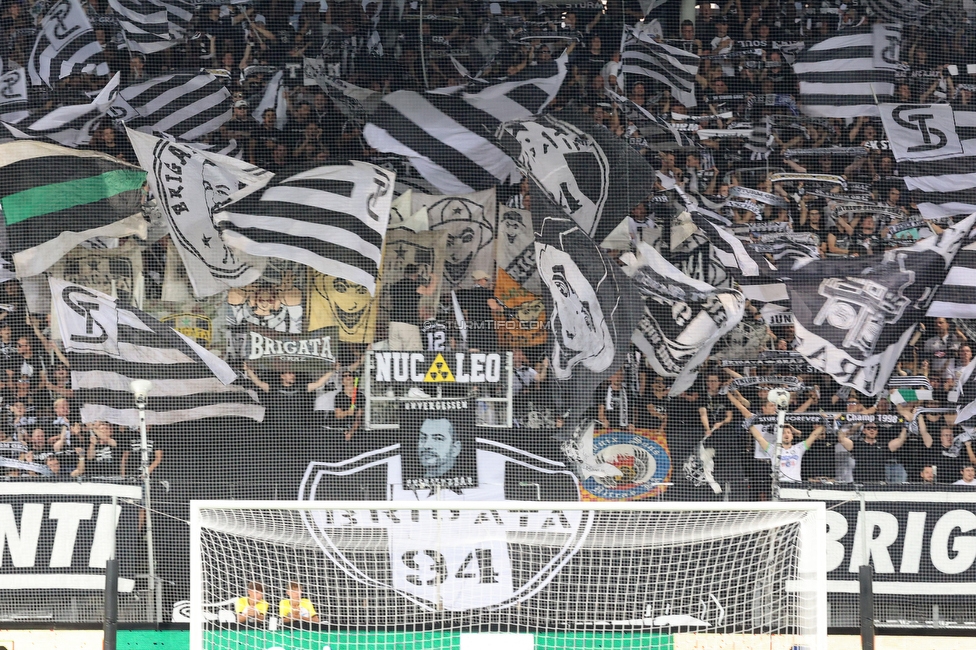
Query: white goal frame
{"points": [[811, 587]]}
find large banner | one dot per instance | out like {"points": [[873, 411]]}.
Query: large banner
{"points": [[57, 536], [920, 543], [438, 457]]}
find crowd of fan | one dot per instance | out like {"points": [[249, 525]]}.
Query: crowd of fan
{"points": [[369, 44]]}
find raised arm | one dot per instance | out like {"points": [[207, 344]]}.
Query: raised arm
{"points": [[318, 383], [897, 443], [757, 434], [263, 385], [844, 440], [816, 433]]}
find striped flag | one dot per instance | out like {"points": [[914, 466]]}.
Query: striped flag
{"points": [[109, 345], [332, 218], [69, 126], [144, 25], [189, 185], [956, 297], [53, 198], [728, 249], [846, 76], [184, 106], [449, 135], [65, 45], [954, 172], [642, 55]]}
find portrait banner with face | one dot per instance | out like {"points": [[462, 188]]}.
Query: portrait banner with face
{"points": [[470, 223], [581, 167], [114, 271], [189, 186], [403, 247], [515, 248], [439, 448], [593, 309], [347, 306]]}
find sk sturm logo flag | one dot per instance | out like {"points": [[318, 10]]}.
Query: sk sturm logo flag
{"points": [[921, 131]]}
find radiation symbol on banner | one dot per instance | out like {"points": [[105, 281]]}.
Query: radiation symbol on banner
{"points": [[439, 371]]}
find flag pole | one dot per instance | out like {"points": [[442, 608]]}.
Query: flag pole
{"points": [[140, 389], [420, 33]]}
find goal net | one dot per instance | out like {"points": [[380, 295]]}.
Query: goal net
{"points": [[439, 574]]}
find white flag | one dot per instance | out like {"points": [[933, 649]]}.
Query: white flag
{"points": [[190, 185]]}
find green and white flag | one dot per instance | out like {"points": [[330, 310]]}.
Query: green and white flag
{"points": [[53, 198]]}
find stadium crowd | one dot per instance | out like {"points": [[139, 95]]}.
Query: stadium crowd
{"points": [[744, 83]]}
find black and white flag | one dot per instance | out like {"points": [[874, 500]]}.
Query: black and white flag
{"points": [[642, 56], [144, 25], [935, 205], [184, 106], [920, 131], [956, 296], [69, 126], [13, 91], [581, 167], [273, 99], [448, 135], [951, 172], [845, 76], [966, 396], [189, 186], [593, 309], [728, 249], [65, 45], [853, 317], [109, 345], [332, 218], [682, 317]]}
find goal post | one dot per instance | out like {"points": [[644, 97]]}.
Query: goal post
{"points": [[468, 575]]}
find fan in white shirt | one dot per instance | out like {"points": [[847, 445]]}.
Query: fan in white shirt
{"points": [[790, 455], [968, 476]]}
